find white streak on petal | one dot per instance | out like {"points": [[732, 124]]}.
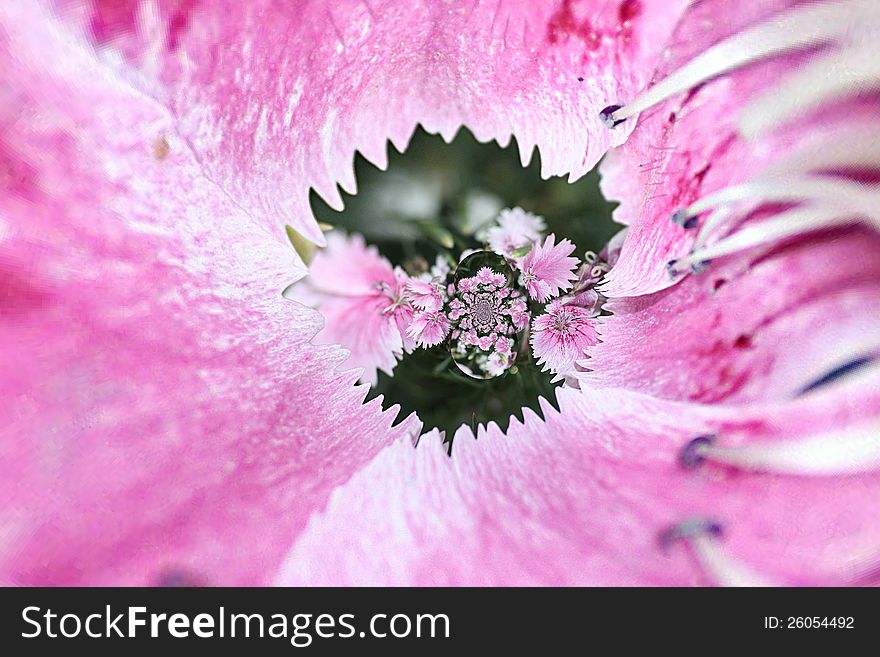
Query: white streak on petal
{"points": [[854, 149], [838, 75], [847, 451], [720, 568], [787, 224]]}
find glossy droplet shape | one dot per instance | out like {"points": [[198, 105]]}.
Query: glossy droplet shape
{"points": [[488, 313]]}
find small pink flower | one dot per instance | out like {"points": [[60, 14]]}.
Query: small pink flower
{"points": [[424, 295], [485, 342], [516, 228], [519, 314], [363, 301], [504, 345], [428, 328], [485, 275], [547, 269], [497, 363], [469, 337], [489, 277], [468, 284], [560, 336]]}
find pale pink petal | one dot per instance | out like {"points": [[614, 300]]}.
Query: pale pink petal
{"points": [[424, 295], [361, 298], [514, 229], [169, 418], [753, 328], [586, 498], [403, 316], [276, 97], [371, 336], [497, 363], [692, 145], [348, 267]]}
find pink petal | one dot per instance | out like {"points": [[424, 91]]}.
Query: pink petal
{"points": [[276, 97], [172, 416], [360, 326], [754, 328], [348, 267], [690, 145], [354, 289], [424, 295], [583, 499]]}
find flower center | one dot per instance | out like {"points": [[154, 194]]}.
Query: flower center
{"points": [[562, 321], [489, 315], [435, 287]]}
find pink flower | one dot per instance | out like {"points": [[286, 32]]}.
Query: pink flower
{"points": [[504, 346], [174, 419], [363, 301], [424, 295], [428, 328], [560, 337], [515, 229], [489, 277], [546, 269], [497, 363], [519, 314]]}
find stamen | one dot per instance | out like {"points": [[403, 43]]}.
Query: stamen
{"points": [[835, 201], [847, 451], [607, 116], [856, 150], [837, 373], [681, 218], [788, 224], [687, 529], [599, 270], [702, 536], [833, 77], [695, 262], [839, 193], [713, 221], [691, 454], [788, 31], [720, 568]]}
